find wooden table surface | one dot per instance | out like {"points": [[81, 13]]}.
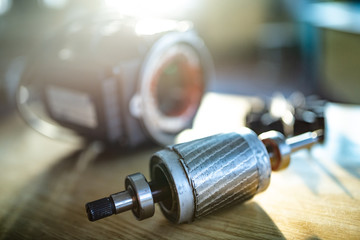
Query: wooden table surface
{"points": [[44, 185]]}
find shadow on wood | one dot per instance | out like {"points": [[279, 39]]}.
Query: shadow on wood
{"points": [[51, 205]]}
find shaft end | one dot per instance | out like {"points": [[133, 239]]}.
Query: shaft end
{"points": [[100, 209]]}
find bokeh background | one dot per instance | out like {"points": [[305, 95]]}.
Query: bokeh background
{"points": [[258, 46]]}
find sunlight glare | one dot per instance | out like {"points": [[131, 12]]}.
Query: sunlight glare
{"points": [[143, 8]]}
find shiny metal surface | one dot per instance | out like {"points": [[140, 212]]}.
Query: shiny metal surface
{"points": [[181, 208], [221, 170], [305, 140], [122, 201], [136, 183], [262, 158], [193, 179], [279, 150]]}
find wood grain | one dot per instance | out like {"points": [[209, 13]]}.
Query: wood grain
{"points": [[45, 185]]}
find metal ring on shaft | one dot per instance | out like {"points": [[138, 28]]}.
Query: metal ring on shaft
{"points": [[278, 148], [144, 207], [182, 208]]}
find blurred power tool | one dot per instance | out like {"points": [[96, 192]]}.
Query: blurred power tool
{"points": [[119, 79], [196, 178]]}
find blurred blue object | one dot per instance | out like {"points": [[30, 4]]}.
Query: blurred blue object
{"points": [[330, 34]]}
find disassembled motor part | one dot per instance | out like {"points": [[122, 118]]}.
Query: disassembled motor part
{"points": [[193, 179]]}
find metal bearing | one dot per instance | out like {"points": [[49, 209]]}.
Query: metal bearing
{"points": [[139, 188], [278, 149]]}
